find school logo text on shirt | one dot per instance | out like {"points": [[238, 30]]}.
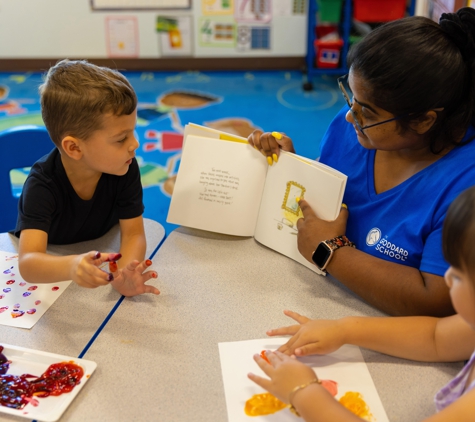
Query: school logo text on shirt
{"points": [[384, 246]]}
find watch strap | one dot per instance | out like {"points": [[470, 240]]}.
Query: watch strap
{"points": [[338, 242]]}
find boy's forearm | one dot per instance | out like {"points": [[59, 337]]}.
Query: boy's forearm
{"points": [[132, 247], [405, 337], [38, 267]]}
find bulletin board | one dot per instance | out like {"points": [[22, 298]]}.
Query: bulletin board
{"points": [[151, 29], [139, 4]]}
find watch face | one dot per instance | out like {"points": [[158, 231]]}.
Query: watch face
{"points": [[321, 255]]}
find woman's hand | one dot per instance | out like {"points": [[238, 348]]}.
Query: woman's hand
{"points": [[313, 230], [285, 374], [310, 337], [270, 144], [130, 280]]}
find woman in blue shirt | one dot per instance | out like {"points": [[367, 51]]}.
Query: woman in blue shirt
{"points": [[405, 143]]}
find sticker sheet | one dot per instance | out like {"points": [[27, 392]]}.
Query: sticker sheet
{"points": [[22, 304]]}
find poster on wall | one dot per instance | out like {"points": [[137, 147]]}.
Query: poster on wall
{"points": [[139, 4], [253, 10], [215, 32], [122, 36], [299, 7], [253, 38], [217, 7], [174, 35]]}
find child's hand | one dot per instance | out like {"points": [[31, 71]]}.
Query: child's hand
{"points": [[86, 272], [285, 374], [130, 280], [270, 144], [310, 337]]}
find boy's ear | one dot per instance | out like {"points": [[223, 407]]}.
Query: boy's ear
{"points": [[72, 147], [424, 123]]}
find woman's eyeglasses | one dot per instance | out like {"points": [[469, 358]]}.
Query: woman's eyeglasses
{"points": [[341, 83]]}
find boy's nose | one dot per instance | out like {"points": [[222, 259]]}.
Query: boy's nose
{"points": [[134, 145]]}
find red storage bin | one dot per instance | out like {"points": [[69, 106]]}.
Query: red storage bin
{"points": [[325, 29], [328, 53], [379, 11]]}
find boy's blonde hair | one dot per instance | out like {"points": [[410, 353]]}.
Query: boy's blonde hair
{"points": [[76, 95]]}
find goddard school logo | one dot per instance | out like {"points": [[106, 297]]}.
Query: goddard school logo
{"points": [[384, 246], [373, 236]]}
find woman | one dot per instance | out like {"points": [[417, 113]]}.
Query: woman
{"points": [[406, 149]]}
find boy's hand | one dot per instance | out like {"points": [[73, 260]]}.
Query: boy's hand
{"points": [[285, 374], [270, 144], [130, 280], [86, 272], [310, 337]]}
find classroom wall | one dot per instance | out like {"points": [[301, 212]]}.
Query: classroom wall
{"points": [[71, 28]]}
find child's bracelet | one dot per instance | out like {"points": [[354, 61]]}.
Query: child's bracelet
{"points": [[298, 388]]}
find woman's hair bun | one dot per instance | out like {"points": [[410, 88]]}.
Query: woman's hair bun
{"points": [[460, 28]]}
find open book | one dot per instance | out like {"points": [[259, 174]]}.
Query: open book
{"points": [[226, 186]]}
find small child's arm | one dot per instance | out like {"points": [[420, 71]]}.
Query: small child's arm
{"points": [[295, 383], [418, 338], [37, 266], [130, 275]]}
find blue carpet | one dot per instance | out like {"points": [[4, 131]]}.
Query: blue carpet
{"points": [[231, 101]]}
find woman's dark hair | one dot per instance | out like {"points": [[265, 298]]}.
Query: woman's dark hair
{"points": [[414, 65], [459, 232]]}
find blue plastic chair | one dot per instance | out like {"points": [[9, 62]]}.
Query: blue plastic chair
{"points": [[20, 147]]}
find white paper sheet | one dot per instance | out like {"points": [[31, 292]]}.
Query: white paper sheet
{"points": [[22, 304], [346, 366], [122, 36], [221, 190]]}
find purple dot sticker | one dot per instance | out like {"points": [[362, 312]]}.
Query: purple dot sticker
{"points": [[31, 311], [26, 294], [10, 281], [17, 306], [7, 290], [3, 309], [55, 288], [22, 283], [32, 288], [16, 313], [37, 302]]}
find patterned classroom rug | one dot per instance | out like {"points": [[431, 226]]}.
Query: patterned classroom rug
{"points": [[235, 102]]}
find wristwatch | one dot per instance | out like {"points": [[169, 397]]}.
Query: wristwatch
{"points": [[325, 250]]}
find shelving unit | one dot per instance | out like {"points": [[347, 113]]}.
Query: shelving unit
{"points": [[345, 28]]}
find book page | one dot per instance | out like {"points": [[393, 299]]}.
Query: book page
{"points": [[286, 180], [218, 187]]}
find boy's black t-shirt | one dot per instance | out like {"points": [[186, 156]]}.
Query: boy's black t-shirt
{"points": [[49, 203]]}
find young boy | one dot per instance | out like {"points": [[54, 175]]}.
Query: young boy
{"points": [[87, 184]]}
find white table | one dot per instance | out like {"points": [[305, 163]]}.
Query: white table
{"points": [[158, 358], [72, 320]]}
